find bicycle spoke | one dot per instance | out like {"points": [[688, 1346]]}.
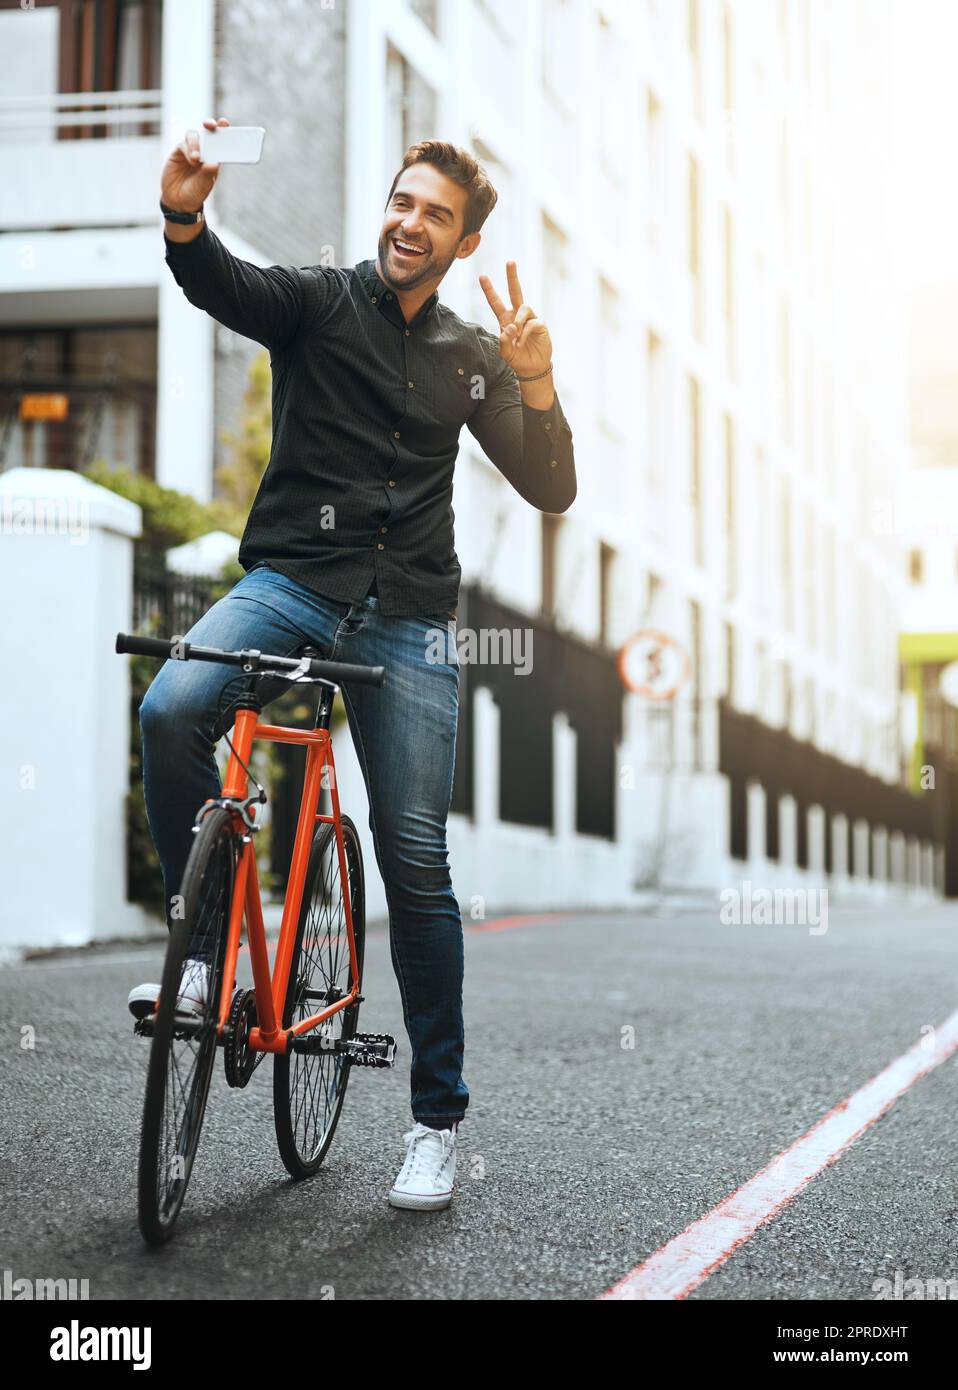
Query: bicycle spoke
{"points": [[315, 1081]]}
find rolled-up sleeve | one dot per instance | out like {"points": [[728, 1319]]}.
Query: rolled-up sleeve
{"points": [[531, 448], [266, 304]]}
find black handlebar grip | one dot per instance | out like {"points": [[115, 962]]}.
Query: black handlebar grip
{"points": [[342, 671], [143, 646]]}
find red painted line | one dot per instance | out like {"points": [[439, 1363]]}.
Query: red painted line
{"points": [[505, 923], [686, 1261]]}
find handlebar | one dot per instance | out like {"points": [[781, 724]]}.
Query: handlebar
{"points": [[339, 672]]}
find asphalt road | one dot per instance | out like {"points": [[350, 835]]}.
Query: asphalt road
{"points": [[579, 1157]]}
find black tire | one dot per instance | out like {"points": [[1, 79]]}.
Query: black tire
{"points": [[308, 1090], [173, 1114]]}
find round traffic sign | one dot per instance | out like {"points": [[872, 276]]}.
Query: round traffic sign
{"points": [[653, 664]]}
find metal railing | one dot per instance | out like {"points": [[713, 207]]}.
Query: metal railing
{"points": [[166, 604], [106, 114]]}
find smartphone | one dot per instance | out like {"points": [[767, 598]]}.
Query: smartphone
{"points": [[232, 144]]}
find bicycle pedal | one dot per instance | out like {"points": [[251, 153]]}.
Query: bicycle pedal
{"points": [[370, 1049], [184, 1026]]}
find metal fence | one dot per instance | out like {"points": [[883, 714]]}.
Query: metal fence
{"points": [[166, 604]]}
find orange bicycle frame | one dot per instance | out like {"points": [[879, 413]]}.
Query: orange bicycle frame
{"points": [[269, 1035]]}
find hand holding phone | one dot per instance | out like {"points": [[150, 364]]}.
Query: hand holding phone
{"points": [[188, 175]]}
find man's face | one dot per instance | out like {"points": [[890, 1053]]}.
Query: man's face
{"points": [[426, 212]]}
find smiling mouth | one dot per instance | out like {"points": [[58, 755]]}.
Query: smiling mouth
{"points": [[407, 250]]}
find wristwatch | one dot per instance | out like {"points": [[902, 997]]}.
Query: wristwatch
{"points": [[187, 218]]}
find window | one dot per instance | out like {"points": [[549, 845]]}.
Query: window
{"points": [[77, 393], [498, 235], [698, 680], [785, 544], [728, 87], [694, 243], [810, 563], [785, 369], [693, 217], [612, 356], [657, 191], [658, 428], [831, 595], [695, 52], [557, 308], [783, 28], [613, 116], [783, 173], [764, 533], [695, 470], [696, 654], [652, 593], [68, 46], [410, 110], [731, 537], [729, 288], [830, 428]]}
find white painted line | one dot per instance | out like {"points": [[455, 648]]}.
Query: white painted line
{"points": [[679, 1266]]}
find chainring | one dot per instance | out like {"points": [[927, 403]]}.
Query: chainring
{"points": [[239, 1059]]}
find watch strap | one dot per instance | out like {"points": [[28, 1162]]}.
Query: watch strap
{"points": [[186, 218]]}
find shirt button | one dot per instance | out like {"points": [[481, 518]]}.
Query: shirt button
{"points": [[553, 463], [392, 482], [375, 301], [383, 530], [407, 332], [396, 434], [380, 546], [460, 371], [389, 294], [548, 427], [411, 385]]}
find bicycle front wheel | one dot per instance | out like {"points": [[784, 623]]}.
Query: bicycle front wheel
{"points": [[183, 1051], [309, 1088]]}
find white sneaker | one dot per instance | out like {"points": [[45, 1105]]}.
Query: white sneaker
{"points": [[191, 1000], [426, 1178]]}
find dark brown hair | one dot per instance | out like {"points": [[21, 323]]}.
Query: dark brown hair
{"points": [[460, 166]]}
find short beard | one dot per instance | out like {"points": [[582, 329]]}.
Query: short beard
{"points": [[435, 269]]}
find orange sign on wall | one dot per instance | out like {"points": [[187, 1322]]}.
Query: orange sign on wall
{"points": [[48, 405]]}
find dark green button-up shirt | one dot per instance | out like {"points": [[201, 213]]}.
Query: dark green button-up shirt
{"points": [[367, 413]]}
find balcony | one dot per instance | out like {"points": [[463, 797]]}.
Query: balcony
{"points": [[80, 159]]}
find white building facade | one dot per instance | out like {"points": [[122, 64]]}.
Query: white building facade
{"points": [[694, 193]]}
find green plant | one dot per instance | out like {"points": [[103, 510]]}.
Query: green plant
{"points": [[238, 480], [169, 517]]}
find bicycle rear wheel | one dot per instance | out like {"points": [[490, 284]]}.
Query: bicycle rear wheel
{"points": [[309, 1089], [183, 1052]]}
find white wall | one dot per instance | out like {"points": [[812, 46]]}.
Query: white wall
{"points": [[66, 577]]}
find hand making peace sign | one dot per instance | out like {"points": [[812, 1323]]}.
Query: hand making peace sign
{"points": [[524, 340]]}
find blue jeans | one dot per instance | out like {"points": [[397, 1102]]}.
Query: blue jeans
{"points": [[404, 734]]}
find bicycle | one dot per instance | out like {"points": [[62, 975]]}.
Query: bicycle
{"points": [[306, 1012]]}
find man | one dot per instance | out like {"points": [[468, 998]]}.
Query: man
{"points": [[349, 548]]}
